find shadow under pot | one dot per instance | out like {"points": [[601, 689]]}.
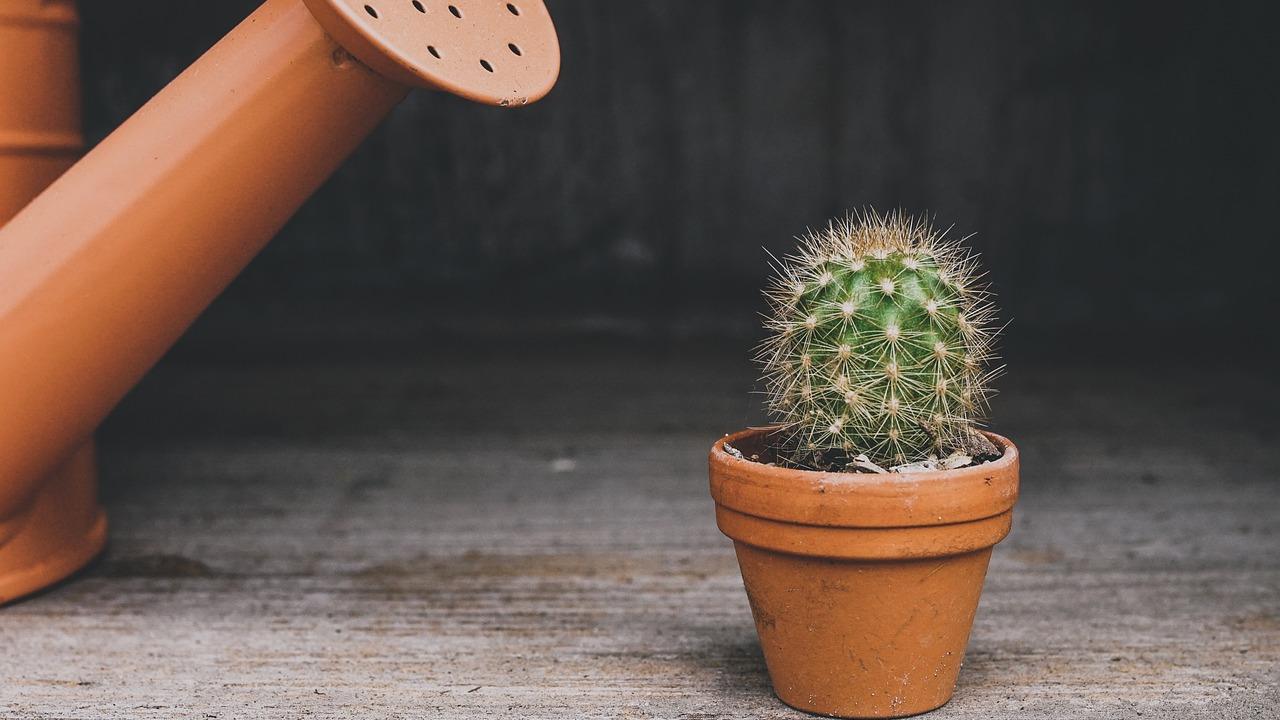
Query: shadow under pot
{"points": [[863, 586]]}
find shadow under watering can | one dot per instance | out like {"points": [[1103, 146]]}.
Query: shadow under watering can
{"points": [[103, 271]]}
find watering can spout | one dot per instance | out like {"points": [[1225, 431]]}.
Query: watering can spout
{"points": [[102, 272]]}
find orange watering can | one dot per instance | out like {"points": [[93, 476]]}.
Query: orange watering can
{"points": [[105, 269], [63, 527]]}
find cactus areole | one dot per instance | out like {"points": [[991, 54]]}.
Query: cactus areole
{"points": [[880, 337]]}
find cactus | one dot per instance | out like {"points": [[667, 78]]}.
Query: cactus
{"points": [[880, 335]]}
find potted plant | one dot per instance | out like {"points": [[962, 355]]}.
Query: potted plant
{"points": [[864, 519]]}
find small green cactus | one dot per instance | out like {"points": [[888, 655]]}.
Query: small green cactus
{"points": [[880, 337]]}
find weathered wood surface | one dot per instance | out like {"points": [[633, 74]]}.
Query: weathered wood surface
{"points": [[511, 532]]}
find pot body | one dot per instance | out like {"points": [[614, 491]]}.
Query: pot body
{"points": [[863, 587]]}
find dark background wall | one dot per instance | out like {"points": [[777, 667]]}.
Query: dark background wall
{"points": [[1117, 161]]}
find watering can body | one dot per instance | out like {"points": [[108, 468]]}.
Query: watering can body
{"points": [[61, 526], [104, 270]]}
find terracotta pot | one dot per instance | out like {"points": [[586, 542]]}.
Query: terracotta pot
{"points": [[105, 269], [61, 527], [863, 587]]}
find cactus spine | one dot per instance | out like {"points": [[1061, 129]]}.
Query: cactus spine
{"points": [[879, 339]]}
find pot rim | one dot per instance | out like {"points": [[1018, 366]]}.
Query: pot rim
{"points": [[836, 499]]}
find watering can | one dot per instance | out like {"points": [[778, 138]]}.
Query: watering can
{"points": [[104, 270]]}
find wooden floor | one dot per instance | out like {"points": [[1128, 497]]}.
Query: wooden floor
{"points": [[506, 531]]}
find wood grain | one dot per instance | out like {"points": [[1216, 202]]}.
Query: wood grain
{"points": [[684, 136], [519, 532]]}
